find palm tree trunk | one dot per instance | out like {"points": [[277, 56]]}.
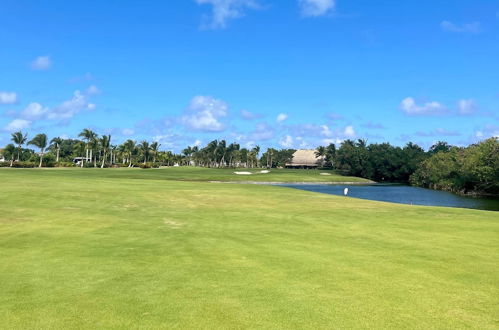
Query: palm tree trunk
{"points": [[57, 158], [103, 161], [41, 159]]}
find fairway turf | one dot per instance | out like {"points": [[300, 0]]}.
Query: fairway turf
{"points": [[152, 249], [198, 174]]}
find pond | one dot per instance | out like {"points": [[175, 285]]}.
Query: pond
{"points": [[403, 194]]}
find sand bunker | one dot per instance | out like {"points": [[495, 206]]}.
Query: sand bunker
{"points": [[264, 171], [325, 173], [243, 173]]}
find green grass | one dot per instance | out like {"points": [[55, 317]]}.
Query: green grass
{"points": [[200, 174], [133, 248]]}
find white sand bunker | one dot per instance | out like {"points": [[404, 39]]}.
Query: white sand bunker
{"points": [[325, 173], [264, 171], [243, 173]]}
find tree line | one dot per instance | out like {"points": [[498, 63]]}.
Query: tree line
{"points": [[459, 169], [91, 150], [472, 169]]}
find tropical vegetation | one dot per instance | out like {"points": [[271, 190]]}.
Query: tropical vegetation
{"points": [[470, 169]]}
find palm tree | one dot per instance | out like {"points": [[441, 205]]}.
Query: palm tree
{"points": [[40, 141], [232, 150], [211, 149], [79, 149], [270, 153], [113, 150], [105, 143], [255, 151], [221, 151], [56, 144], [244, 155], [94, 145], [330, 154], [89, 136], [188, 153], [320, 152], [19, 139], [154, 150], [144, 147], [129, 147]]}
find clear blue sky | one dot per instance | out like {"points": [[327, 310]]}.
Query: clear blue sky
{"points": [[290, 73]]}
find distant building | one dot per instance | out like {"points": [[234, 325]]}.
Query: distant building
{"points": [[305, 158]]}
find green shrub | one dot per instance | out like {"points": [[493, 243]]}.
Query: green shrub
{"points": [[65, 164], [24, 164]]}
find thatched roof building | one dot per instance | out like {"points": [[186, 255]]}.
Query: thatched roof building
{"points": [[305, 158]]}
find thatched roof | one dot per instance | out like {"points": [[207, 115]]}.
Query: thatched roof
{"points": [[304, 157]]}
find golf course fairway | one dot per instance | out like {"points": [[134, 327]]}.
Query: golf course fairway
{"points": [[164, 248]]}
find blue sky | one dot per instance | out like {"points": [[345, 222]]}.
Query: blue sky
{"points": [[294, 73]]}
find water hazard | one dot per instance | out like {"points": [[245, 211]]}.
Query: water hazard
{"points": [[405, 195]]}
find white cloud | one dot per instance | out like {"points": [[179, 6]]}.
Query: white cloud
{"points": [[225, 10], [250, 144], [17, 125], [336, 141], [409, 106], [34, 111], [349, 132], [93, 90], [465, 28], [68, 109], [127, 131], [488, 131], [204, 113], [314, 8], [303, 144], [466, 107], [41, 63], [167, 140], [262, 132], [325, 131], [319, 134], [65, 111], [281, 117], [286, 141], [8, 97]]}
